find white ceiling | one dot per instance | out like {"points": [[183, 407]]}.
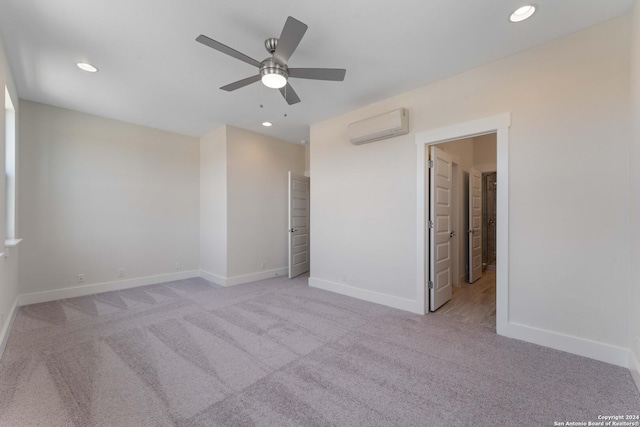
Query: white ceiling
{"points": [[152, 72]]}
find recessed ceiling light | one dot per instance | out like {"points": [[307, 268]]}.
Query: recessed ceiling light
{"points": [[523, 13], [267, 124], [87, 67]]}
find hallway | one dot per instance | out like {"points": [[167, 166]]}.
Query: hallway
{"points": [[474, 303]]}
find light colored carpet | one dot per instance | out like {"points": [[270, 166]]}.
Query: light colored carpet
{"points": [[278, 353]]}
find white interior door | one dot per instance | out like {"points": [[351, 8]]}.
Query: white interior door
{"points": [[475, 225], [440, 227], [298, 224]]}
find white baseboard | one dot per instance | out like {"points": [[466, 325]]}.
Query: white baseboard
{"points": [[582, 347], [260, 275], [634, 367], [245, 278], [96, 288], [215, 278], [377, 297], [6, 328]]}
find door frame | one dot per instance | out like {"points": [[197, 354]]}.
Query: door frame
{"points": [[498, 124]]}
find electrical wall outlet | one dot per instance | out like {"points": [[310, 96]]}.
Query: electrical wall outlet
{"points": [[179, 265], [80, 278], [121, 272], [263, 264]]}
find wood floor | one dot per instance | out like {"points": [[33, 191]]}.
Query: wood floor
{"points": [[474, 303]]}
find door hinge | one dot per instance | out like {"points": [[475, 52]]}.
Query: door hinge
{"points": [[430, 284], [429, 164], [430, 224]]}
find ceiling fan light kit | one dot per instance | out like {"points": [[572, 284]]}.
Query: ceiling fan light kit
{"points": [[274, 80], [273, 75], [273, 71]]}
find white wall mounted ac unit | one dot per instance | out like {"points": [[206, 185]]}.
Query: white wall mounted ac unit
{"points": [[379, 127]]}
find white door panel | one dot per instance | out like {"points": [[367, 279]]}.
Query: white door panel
{"points": [[475, 225], [298, 224], [440, 230]]}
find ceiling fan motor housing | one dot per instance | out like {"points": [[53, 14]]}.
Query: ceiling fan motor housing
{"points": [[271, 44], [271, 66]]}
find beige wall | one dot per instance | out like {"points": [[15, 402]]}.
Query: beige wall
{"points": [[213, 202], [634, 225], [98, 195], [244, 204], [462, 152], [484, 153], [568, 263], [307, 160], [258, 200], [8, 266]]}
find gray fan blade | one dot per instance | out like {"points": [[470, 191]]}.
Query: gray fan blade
{"points": [[226, 49], [241, 83], [289, 39], [289, 94], [334, 74]]}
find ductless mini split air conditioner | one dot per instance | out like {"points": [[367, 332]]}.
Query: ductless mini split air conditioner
{"points": [[379, 127]]}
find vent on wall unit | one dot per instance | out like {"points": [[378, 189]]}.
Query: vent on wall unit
{"points": [[379, 127]]}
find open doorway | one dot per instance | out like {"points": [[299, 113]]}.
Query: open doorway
{"points": [[498, 125], [459, 227]]}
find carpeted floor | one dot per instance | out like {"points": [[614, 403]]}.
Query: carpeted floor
{"points": [[278, 353]]}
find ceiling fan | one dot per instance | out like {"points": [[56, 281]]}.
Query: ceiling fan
{"points": [[274, 71]]}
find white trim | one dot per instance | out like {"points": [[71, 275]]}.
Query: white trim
{"points": [[6, 328], [634, 368], [500, 125], [218, 280], [253, 277], [502, 227], [9, 244], [571, 344], [421, 230], [12, 242], [414, 306], [245, 278], [464, 130], [96, 288]]}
